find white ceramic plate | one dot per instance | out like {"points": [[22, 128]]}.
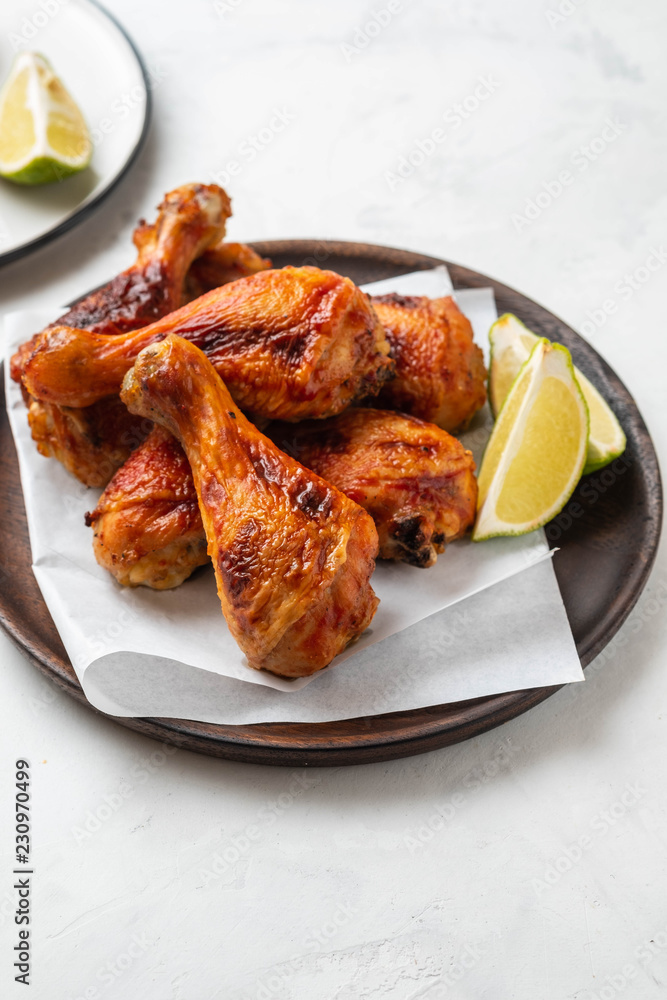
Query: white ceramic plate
{"points": [[104, 73]]}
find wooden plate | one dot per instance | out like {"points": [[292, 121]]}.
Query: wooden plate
{"points": [[605, 558]]}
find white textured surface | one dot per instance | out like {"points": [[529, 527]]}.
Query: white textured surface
{"points": [[341, 888]]}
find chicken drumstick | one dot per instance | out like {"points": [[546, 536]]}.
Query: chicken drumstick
{"points": [[292, 556], [92, 442], [290, 344], [440, 374], [415, 480], [190, 219]]}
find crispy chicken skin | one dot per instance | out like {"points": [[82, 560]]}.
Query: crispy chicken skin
{"points": [[147, 525], [292, 555], [290, 344], [190, 219], [94, 441], [91, 442], [440, 373], [415, 480]]}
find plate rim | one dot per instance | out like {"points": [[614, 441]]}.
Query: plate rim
{"points": [[80, 214], [266, 742]]}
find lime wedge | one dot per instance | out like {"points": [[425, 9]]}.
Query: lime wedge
{"points": [[537, 450], [43, 136], [606, 440], [511, 344]]}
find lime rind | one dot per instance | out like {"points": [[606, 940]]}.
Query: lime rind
{"points": [[613, 435], [504, 528], [607, 439], [594, 465], [42, 170]]}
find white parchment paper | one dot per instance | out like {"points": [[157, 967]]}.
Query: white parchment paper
{"points": [[139, 652]]}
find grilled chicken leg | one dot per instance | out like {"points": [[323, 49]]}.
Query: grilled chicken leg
{"points": [[190, 219], [290, 344], [292, 556], [415, 480], [147, 528], [92, 442], [440, 374]]}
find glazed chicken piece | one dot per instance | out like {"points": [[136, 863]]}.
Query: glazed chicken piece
{"points": [[292, 555], [414, 479], [94, 441], [440, 373], [147, 525], [190, 219], [290, 344]]}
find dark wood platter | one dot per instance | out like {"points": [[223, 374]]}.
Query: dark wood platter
{"points": [[605, 558]]}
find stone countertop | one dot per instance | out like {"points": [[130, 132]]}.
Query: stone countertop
{"points": [[526, 140]]}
